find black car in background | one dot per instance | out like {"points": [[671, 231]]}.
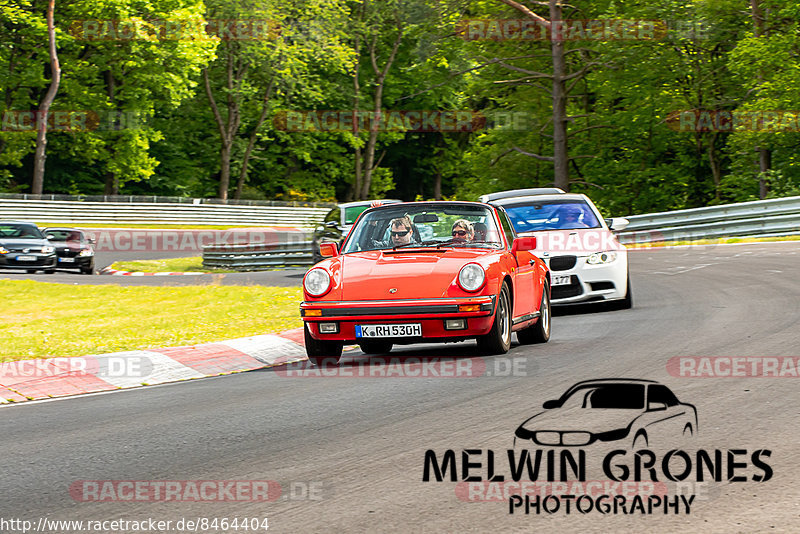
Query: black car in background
{"points": [[338, 221], [23, 246], [73, 249]]}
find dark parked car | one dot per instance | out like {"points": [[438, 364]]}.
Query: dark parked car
{"points": [[338, 222], [73, 248], [23, 246], [641, 412]]}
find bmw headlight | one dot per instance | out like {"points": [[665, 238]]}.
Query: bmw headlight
{"points": [[47, 249], [86, 252], [471, 277], [317, 282], [599, 258]]}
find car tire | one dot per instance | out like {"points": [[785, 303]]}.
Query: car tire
{"points": [[49, 271], [88, 269], [30, 271], [626, 303], [498, 340], [322, 352], [376, 347], [539, 332]]}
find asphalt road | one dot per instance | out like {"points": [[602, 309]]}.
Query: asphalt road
{"points": [[349, 453]]}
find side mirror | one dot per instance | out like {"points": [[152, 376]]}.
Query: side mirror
{"points": [[49, 236], [328, 250], [92, 241], [523, 243], [617, 223], [549, 405], [656, 406]]}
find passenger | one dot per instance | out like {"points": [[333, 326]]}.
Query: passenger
{"points": [[480, 231], [463, 231], [569, 218]]}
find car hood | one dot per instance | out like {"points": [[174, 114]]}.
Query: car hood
{"points": [[426, 273], [23, 243], [593, 420], [579, 242]]}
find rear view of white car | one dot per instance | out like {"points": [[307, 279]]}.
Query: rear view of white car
{"points": [[587, 262]]}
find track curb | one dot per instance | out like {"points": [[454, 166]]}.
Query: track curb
{"points": [[44, 378]]}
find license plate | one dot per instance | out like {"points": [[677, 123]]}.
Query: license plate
{"points": [[389, 330], [66, 260], [26, 258], [560, 279]]}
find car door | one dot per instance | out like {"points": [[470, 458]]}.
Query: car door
{"points": [[524, 274]]}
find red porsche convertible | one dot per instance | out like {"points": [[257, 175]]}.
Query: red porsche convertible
{"points": [[420, 272]]}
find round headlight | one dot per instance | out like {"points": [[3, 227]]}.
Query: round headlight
{"points": [[601, 257], [471, 277], [317, 282]]}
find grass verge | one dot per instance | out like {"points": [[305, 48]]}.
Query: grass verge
{"points": [[40, 319], [169, 265]]}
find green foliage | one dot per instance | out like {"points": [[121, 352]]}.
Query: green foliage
{"points": [[628, 154]]}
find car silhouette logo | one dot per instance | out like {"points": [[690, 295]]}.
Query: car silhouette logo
{"points": [[26, 250], [393, 290], [641, 412]]}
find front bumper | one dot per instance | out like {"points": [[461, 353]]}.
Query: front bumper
{"points": [[78, 262], [430, 313], [591, 283], [40, 261]]}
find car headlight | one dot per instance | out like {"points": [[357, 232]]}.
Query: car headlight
{"points": [[317, 282], [3, 250], [86, 252], [47, 249], [599, 258], [471, 277]]}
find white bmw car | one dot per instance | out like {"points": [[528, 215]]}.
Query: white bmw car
{"points": [[587, 262]]}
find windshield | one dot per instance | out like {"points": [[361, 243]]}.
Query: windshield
{"points": [[551, 215], [424, 225], [65, 235], [618, 396], [19, 231]]}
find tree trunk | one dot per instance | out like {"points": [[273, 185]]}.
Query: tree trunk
{"points": [[560, 151], [252, 141], [111, 179], [227, 128], [37, 185], [713, 159], [764, 154]]}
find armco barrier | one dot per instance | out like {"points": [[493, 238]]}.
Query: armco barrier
{"points": [[774, 217], [76, 213], [259, 257]]}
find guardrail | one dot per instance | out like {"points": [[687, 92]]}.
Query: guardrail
{"points": [[76, 213], [257, 257], [774, 217]]}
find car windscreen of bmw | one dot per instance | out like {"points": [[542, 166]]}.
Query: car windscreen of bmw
{"points": [[19, 231], [65, 235], [605, 396], [431, 226], [551, 215]]}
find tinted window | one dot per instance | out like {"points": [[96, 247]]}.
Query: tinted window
{"points": [[9, 230], [352, 213], [65, 235], [333, 215], [605, 396], [661, 393], [551, 215]]}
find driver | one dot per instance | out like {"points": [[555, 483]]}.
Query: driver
{"points": [[402, 231], [569, 217]]}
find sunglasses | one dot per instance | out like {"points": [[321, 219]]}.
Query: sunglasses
{"points": [[400, 234], [460, 233]]}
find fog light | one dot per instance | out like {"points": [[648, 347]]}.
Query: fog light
{"points": [[328, 328], [455, 324]]}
